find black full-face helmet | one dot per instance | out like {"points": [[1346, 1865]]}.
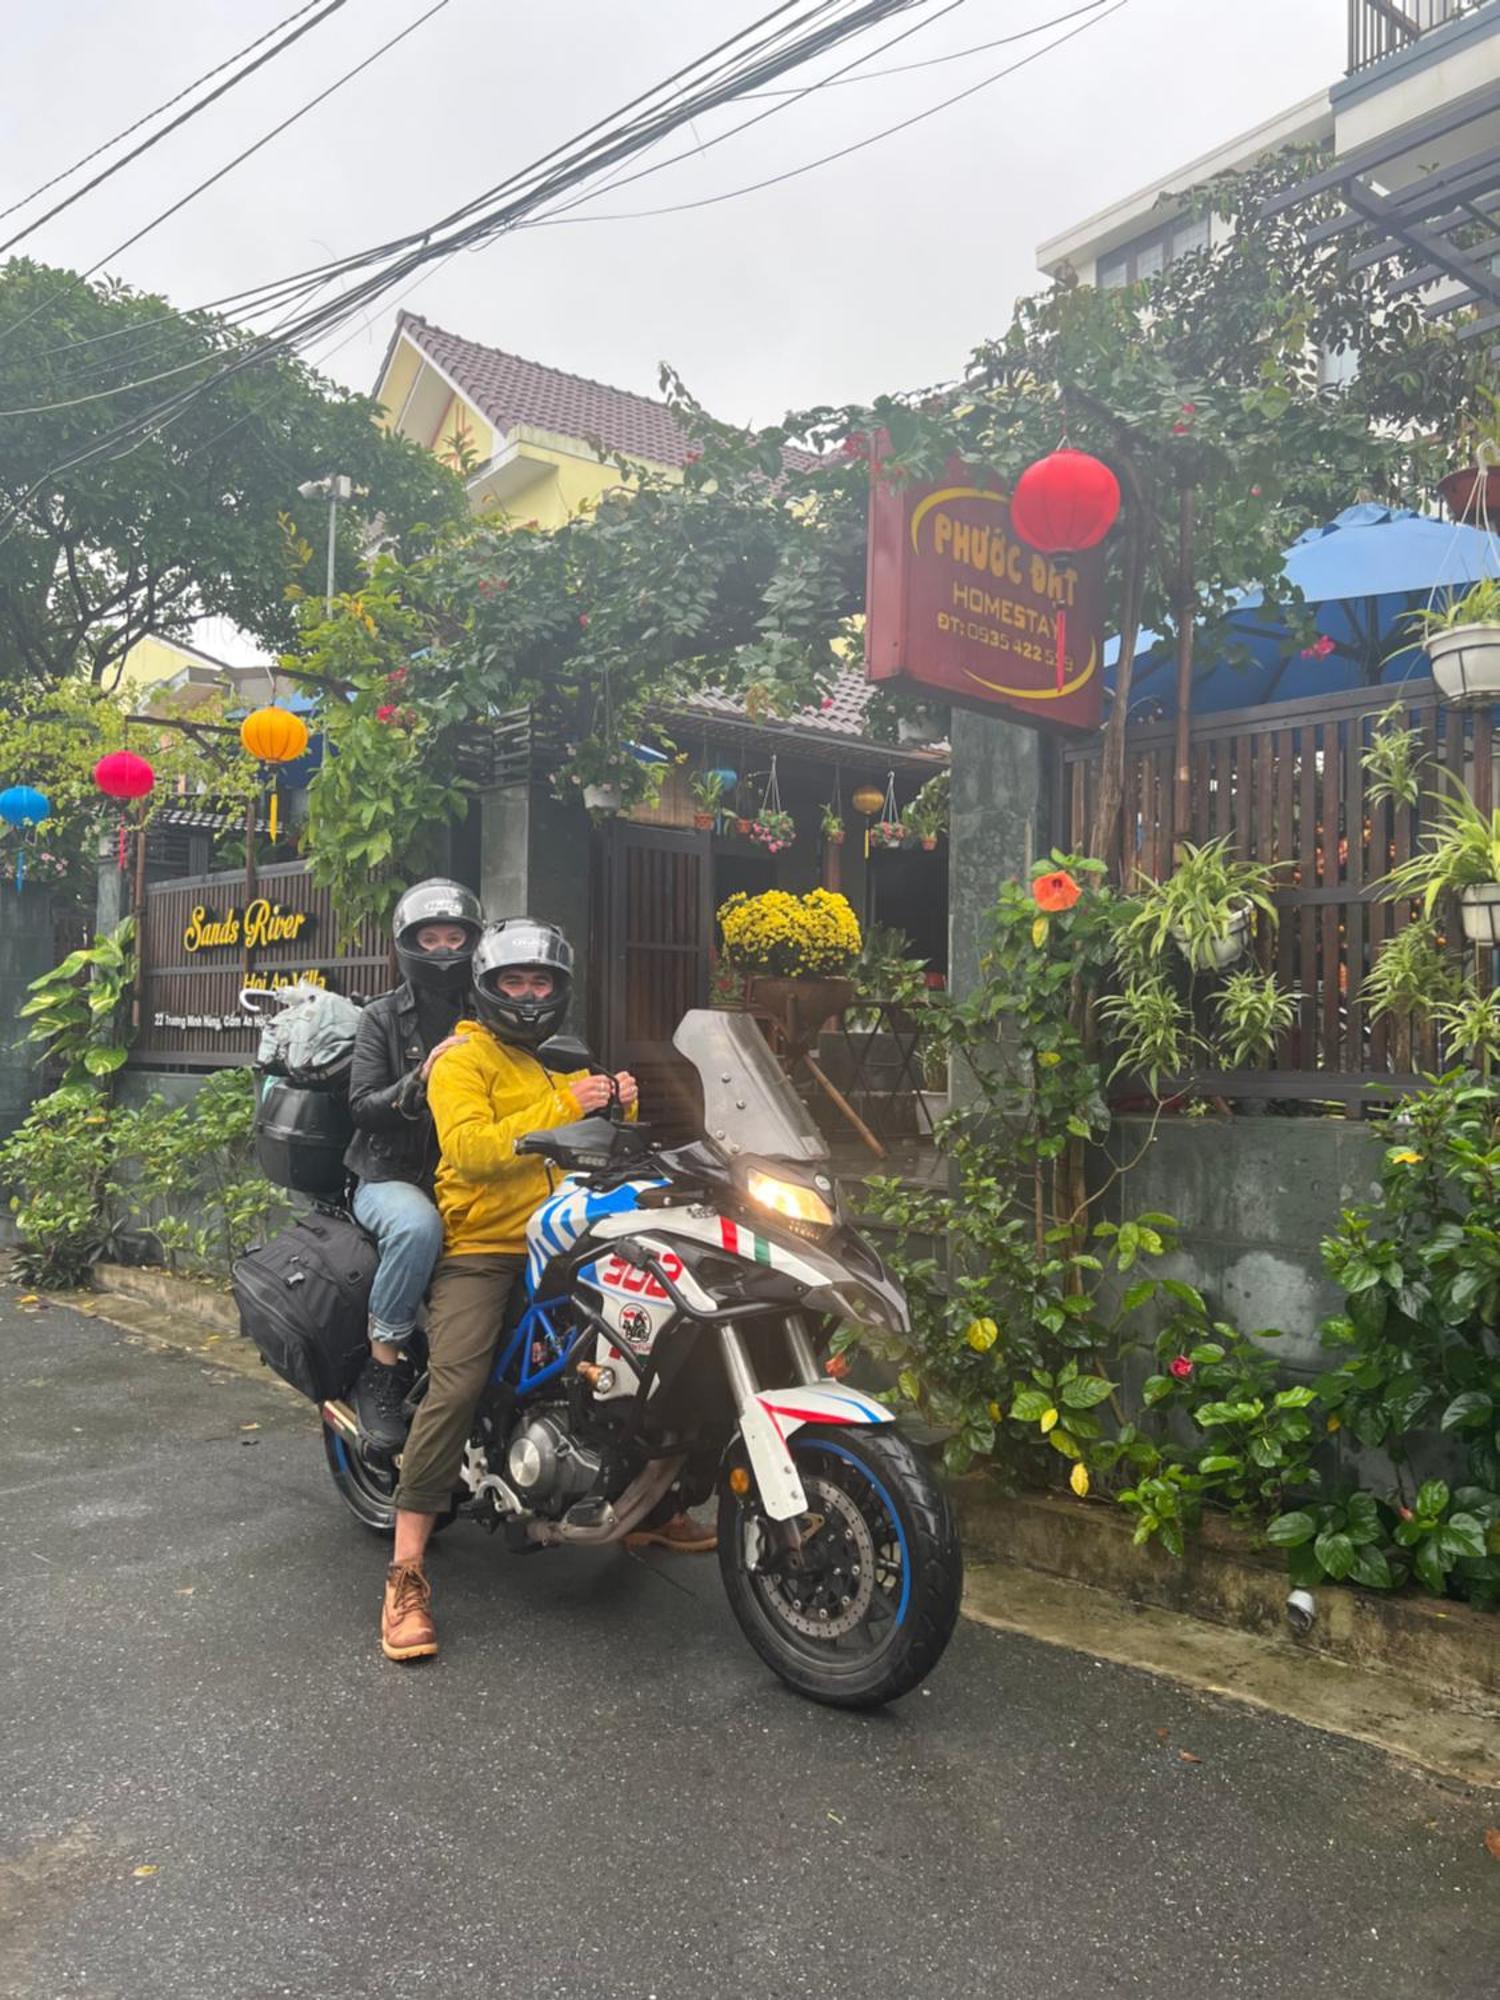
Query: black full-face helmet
{"points": [[522, 944], [436, 901]]}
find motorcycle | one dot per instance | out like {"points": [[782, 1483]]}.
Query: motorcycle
{"points": [[666, 1342]]}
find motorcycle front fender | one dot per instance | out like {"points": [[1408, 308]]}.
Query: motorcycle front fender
{"points": [[768, 1421]]}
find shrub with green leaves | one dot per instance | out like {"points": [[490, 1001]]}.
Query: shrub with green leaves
{"points": [[75, 1013]]}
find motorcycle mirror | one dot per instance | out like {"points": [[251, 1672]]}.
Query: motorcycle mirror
{"points": [[566, 1052]]}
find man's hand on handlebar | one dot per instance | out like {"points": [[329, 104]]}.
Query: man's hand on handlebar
{"points": [[597, 1093]]}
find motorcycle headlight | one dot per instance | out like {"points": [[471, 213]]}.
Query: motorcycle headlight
{"points": [[790, 1200]]}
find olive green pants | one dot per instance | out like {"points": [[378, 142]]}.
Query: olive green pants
{"points": [[465, 1311]]}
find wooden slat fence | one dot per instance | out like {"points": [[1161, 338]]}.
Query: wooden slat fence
{"points": [[1285, 782]]}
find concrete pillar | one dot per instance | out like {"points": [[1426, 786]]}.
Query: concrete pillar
{"points": [[536, 861], [1000, 821], [25, 954]]}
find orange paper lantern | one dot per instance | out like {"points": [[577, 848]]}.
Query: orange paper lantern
{"points": [[274, 735]]}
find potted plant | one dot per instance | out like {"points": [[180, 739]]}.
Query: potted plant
{"points": [[831, 824], [1459, 853], [795, 952], [774, 829], [888, 833], [1205, 907], [927, 815], [921, 726], [1462, 640], [708, 798]]}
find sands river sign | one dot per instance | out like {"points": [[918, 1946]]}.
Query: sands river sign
{"points": [[961, 609]]}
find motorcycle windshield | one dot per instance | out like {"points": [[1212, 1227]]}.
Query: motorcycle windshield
{"points": [[748, 1104]]}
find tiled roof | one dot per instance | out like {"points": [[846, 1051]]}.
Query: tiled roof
{"points": [[840, 716], [511, 391]]}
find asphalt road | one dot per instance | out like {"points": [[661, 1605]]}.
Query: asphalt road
{"points": [[215, 1789]]}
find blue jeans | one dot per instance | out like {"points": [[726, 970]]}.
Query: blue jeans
{"points": [[409, 1231]]}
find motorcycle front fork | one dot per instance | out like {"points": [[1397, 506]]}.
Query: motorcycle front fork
{"points": [[784, 1520]]}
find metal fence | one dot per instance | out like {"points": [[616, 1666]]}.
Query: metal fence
{"points": [[1286, 784], [1379, 28]]}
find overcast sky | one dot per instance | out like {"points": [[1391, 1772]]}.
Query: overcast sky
{"points": [[878, 271]]}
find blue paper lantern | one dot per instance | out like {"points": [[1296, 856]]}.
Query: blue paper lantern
{"points": [[23, 806]]}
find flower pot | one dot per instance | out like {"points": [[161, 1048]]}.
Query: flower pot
{"points": [[834, 836], [1217, 953], [1471, 497], [744, 826], [1479, 910], [1466, 664], [799, 1006], [929, 843], [602, 798], [703, 821]]}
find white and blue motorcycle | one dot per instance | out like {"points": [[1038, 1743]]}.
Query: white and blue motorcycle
{"points": [[667, 1343]]}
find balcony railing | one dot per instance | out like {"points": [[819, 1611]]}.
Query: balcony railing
{"points": [[1381, 28]]}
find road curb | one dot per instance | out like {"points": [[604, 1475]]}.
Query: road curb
{"points": [[183, 1297], [1447, 1647]]}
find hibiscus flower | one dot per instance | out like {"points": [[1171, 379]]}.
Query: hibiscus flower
{"points": [[1054, 892]]}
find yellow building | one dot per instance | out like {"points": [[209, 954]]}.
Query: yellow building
{"points": [[533, 443]]}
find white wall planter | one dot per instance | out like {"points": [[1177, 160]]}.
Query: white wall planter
{"points": [[1479, 909], [1216, 953], [1466, 664], [602, 798]]}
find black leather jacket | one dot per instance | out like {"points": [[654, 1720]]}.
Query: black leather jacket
{"points": [[394, 1138]]}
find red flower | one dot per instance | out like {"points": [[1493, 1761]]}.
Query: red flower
{"points": [[826, 703], [1179, 430], [1254, 492], [1320, 648], [691, 457], [396, 677], [1405, 1513], [1180, 1366], [1190, 409], [837, 1365], [583, 619], [386, 714], [1054, 892], [854, 445]]}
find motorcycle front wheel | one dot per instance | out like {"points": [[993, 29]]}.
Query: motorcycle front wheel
{"points": [[869, 1610]]}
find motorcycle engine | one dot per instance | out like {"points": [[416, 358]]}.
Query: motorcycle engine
{"points": [[545, 1462]]}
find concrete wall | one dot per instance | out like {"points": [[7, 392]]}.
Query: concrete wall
{"points": [[26, 934], [1254, 1197]]}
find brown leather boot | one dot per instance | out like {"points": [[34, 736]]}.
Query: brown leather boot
{"points": [[406, 1628]]}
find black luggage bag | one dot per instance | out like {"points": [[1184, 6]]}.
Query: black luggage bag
{"points": [[304, 1300]]}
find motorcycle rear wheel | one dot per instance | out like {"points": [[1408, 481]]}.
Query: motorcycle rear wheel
{"points": [[368, 1490], [869, 1615]]}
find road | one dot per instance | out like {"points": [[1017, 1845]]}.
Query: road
{"points": [[216, 1789]]}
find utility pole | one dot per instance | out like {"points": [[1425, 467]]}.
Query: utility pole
{"points": [[338, 486]]}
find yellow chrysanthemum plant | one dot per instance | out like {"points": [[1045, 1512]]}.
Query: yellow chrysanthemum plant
{"points": [[783, 936]]}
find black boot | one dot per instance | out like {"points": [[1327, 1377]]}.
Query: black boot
{"points": [[376, 1399]]}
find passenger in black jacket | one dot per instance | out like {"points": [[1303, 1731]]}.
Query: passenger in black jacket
{"points": [[394, 1149]]}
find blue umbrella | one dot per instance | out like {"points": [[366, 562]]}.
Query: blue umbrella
{"points": [[1360, 574]]}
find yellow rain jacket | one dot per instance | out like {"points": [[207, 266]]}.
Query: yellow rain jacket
{"points": [[484, 1096]]}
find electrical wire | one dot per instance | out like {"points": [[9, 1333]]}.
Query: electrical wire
{"points": [[270, 55], [954, 55], [564, 167], [843, 152], [146, 118]]}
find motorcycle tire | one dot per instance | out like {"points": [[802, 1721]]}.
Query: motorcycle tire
{"points": [[368, 1490], [869, 1615]]}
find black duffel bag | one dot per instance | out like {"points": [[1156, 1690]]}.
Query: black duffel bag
{"points": [[304, 1299]]}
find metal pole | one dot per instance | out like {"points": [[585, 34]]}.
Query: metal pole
{"points": [[333, 519]]}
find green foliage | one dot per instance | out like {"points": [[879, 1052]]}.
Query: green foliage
{"points": [[85, 1176], [1460, 848], [1412, 975], [1478, 605], [1152, 1028], [1205, 899], [1393, 762], [74, 1015], [927, 815], [1252, 1011], [189, 521], [56, 1168]]}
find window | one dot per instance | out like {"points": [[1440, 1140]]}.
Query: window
{"points": [[1149, 255]]}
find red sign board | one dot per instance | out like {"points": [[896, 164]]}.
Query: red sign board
{"points": [[958, 607]]}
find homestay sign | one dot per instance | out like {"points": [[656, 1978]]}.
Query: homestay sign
{"points": [[960, 608]]}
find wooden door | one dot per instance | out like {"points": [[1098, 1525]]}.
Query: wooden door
{"points": [[656, 924]]}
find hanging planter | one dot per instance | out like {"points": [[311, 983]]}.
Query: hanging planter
{"points": [[921, 729], [1472, 494], [1479, 913], [1213, 954], [603, 798], [1462, 641], [773, 827]]}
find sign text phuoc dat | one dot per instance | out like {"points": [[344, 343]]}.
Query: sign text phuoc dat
{"points": [[960, 608]]}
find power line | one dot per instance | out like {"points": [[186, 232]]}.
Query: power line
{"points": [[953, 55], [270, 55], [843, 152], [146, 118], [710, 82]]}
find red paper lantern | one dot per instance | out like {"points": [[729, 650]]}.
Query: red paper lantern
{"points": [[1066, 502], [123, 775]]}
